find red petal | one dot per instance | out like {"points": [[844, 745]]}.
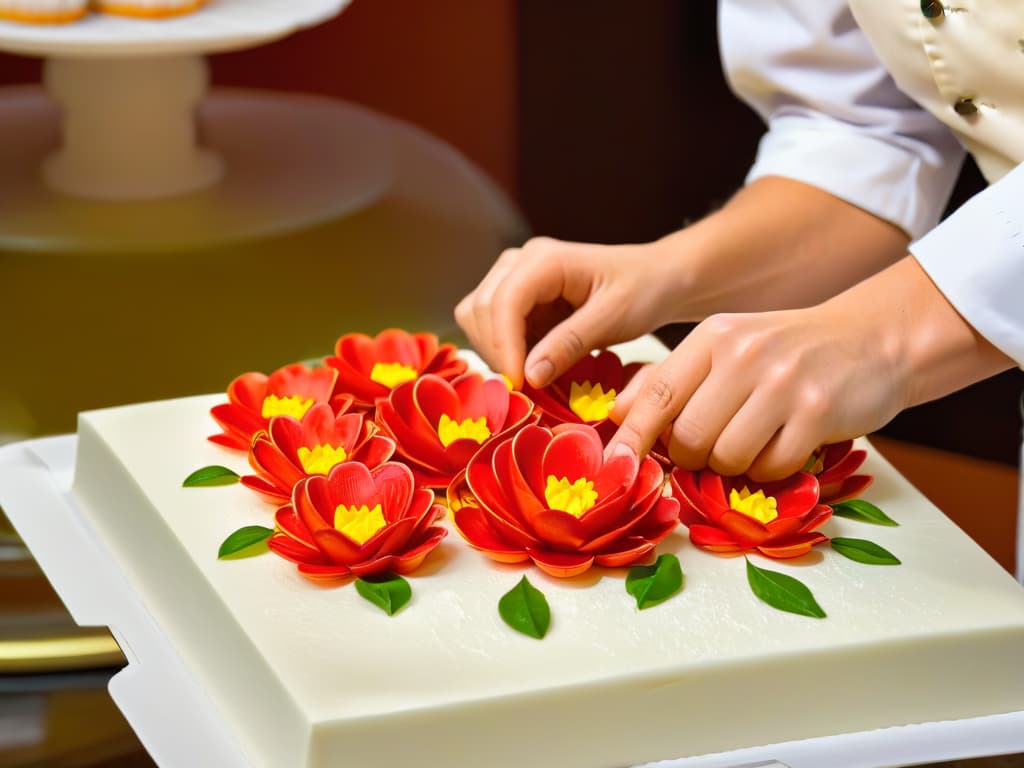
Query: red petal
{"points": [[794, 548], [338, 547], [713, 539], [248, 391], [268, 460], [435, 397], [559, 564], [747, 531], [409, 561], [329, 573], [308, 496], [350, 484], [528, 447], [272, 493], [850, 488], [291, 525], [684, 489], [820, 515], [560, 530], [394, 345], [293, 550], [629, 551], [573, 454], [796, 495], [475, 526]]}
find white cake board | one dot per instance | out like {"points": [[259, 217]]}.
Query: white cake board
{"points": [[179, 726]]}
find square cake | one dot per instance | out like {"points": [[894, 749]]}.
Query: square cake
{"points": [[908, 623], [312, 675]]}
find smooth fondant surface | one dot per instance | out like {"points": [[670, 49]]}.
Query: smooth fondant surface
{"points": [[313, 675]]}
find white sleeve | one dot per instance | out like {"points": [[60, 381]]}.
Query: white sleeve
{"points": [[976, 258], [836, 119]]}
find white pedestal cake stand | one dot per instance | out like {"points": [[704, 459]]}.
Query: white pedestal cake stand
{"points": [[128, 121]]}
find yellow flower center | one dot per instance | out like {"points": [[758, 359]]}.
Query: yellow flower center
{"points": [[292, 405], [574, 498], [450, 430], [756, 505], [320, 459], [590, 403], [359, 524], [392, 374]]}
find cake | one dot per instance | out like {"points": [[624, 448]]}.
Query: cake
{"points": [[149, 9], [43, 11], [308, 673]]}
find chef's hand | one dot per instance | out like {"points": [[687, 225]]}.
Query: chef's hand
{"points": [[567, 298], [757, 393]]}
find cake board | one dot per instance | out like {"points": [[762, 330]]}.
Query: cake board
{"points": [[181, 726]]}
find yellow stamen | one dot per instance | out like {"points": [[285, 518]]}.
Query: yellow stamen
{"points": [[591, 403], [359, 524], [292, 405], [756, 505], [321, 458], [574, 498], [450, 430], [392, 374]]}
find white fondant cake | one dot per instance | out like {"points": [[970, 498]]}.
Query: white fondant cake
{"points": [[307, 675]]}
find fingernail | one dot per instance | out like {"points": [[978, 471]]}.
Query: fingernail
{"points": [[621, 449], [540, 373]]}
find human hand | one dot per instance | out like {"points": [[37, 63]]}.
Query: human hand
{"points": [[757, 393], [568, 298]]}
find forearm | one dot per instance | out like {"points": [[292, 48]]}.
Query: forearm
{"points": [[777, 244]]}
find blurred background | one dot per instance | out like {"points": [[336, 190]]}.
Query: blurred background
{"points": [[473, 125]]}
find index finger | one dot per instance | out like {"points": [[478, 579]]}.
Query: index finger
{"points": [[665, 390]]}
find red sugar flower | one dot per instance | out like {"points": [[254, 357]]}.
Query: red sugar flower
{"points": [[293, 449], [834, 466], [369, 368], [552, 498], [438, 425], [735, 514], [255, 398], [585, 394], [358, 521]]}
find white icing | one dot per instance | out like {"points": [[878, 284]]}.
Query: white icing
{"points": [[311, 676]]}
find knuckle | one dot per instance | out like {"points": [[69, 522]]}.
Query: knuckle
{"points": [[658, 392], [573, 344], [727, 460], [719, 326]]}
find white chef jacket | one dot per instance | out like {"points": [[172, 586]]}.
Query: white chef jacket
{"points": [[838, 120]]}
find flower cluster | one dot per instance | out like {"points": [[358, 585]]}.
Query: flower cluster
{"points": [[351, 453]]}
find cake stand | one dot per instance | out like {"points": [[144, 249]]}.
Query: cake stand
{"points": [[126, 150]]}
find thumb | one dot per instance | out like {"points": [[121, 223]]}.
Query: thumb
{"points": [[568, 342]]}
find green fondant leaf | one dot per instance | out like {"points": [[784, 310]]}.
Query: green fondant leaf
{"points": [[859, 509], [864, 551], [212, 475], [245, 542], [525, 609], [783, 592], [653, 584], [389, 593]]}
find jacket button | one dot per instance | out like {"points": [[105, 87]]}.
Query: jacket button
{"points": [[965, 107], [932, 9]]}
